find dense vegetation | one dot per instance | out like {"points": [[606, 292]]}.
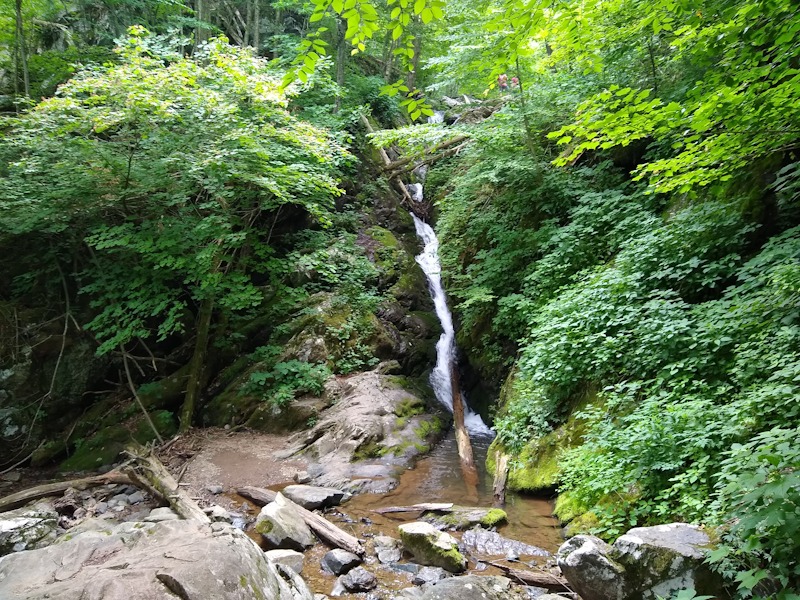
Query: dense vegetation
{"points": [[620, 238]]}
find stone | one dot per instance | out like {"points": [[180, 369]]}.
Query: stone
{"points": [[469, 587], [359, 580], [491, 543], [118, 499], [339, 561], [389, 555], [302, 477], [465, 517], [430, 575], [136, 497], [644, 563], [101, 507], [215, 489], [288, 558], [281, 526], [432, 547], [312, 497], [28, 528], [162, 560], [163, 513], [216, 513], [412, 568]]}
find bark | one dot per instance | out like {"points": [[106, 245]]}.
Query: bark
{"points": [[441, 507], [197, 364], [324, 529], [256, 25], [54, 489], [148, 472], [468, 469], [21, 51], [500, 477]]}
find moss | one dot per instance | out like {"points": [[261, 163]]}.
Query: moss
{"points": [[493, 517], [409, 407], [428, 428], [102, 448], [584, 523], [568, 507], [264, 526], [243, 581], [371, 449], [164, 421]]}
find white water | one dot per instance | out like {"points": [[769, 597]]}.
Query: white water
{"points": [[446, 346]]}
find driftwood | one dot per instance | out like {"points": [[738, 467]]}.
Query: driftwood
{"points": [[500, 477], [54, 489], [325, 530], [536, 578], [441, 507], [148, 472], [468, 469]]}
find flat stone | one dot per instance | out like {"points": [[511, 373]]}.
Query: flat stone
{"points": [[430, 575], [465, 517], [282, 527], [312, 497], [339, 561], [491, 543], [288, 558], [470, 587], [389, 555], [163, 513], [302, 477]]}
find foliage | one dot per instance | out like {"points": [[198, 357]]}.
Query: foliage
{"points": [[286, 380]]}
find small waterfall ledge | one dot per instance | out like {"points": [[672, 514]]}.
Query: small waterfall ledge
{"points": [[441, 381]]}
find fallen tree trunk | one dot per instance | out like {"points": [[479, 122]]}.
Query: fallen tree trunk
{"points": [[387, 161], [536, 578], [54, 489], [462, 439], [441, 506], [149, 472], [500, 477], [325, 530], [392, 166], [427, 161]]}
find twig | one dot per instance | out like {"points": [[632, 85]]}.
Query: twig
{"points": [[136, 396]]}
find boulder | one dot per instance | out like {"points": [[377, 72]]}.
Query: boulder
{"points": [[432, 547], [387, 549], [469, 587], [216, 513], [644, 563], [281, 526], [27, 528], [465, 517], [290, 559], [154, 561], [163, 513], [429, 575], [311, 497], [339, 561], [359, 580], [491, 543]]}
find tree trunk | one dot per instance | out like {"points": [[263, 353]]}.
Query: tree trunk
{"points": [[500, 477], [20, 50], [524, 109], [341, 55], [411, 81], [256, 33], [197, 364], [468, 469], [201, 13]]}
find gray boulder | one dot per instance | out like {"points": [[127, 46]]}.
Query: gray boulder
{"points": [[27, 528], [312, 497], [430, 575], [163, 513], [290, 559], [153, 561], [339, 561], [359, 580], [643, 564], [282, 527], [432, 547], [468, 587], [491, 543]]}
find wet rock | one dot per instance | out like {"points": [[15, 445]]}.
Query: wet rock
{"points": [[13, 476], [154, 560], [468, 587], [290, 559], [312, 497], [136, 497], [430, 575], [406, 568], [164, 513], [645, 563], [302, 477], [432, 547], [282, 527], [339, 561], [27, 528], [491, 543], [101, 507], [389, 555], [465, 517], [359, 580]]}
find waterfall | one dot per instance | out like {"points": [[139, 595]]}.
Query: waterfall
{"points": [[446, 346], [437, 117]]}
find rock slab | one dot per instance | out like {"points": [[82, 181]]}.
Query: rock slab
{"points": [[27, 528], [281, 526], [432, 547], [469, 587], [149, 561], [290, 559], [312, 497]]}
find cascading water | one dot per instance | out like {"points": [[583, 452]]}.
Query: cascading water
{"points": [[446, 346]]}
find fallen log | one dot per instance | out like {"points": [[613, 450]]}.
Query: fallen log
{"points": [[441, 507], [325, 530], [387, 161], [59, 487], [500, 477], [394, 165], [536, 578], [149, 472], [468, 469]]}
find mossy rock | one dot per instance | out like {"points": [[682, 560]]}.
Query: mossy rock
{"points": [[465, 517], [102, 448], [432, 547]]}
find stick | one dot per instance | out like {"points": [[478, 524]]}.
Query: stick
{"points": [[325, 530], [54, 489]]}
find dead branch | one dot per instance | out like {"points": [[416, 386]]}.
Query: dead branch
{"points": [[500, 476], [54, 489], [536, 578], [391, 166]]}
